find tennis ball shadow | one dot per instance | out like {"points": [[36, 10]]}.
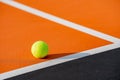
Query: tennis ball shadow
{"points": [[58, 55]]}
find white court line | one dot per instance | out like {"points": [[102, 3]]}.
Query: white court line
{"points": [[62, 59], [57, 61], [61, 21]]}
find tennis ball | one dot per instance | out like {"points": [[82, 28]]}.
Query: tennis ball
{"points": [[39, 49]]}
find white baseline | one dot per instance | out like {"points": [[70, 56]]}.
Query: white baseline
{"points": [[57, 61]]}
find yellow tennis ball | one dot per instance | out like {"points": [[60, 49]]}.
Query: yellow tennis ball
{"points": [[39, 49]]}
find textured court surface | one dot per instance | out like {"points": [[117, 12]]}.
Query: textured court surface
{"points": [[58, 23]]}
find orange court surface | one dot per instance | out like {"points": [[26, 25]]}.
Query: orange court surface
{"points": [[22, 22]]}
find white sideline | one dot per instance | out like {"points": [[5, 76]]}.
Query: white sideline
{"points": [[57, 61], [61, 21]]}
